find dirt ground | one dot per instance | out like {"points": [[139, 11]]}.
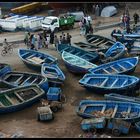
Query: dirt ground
{"points": [[66, 123]]}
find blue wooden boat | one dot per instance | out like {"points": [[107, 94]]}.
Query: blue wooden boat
{"points": [[107, 83], [120, 110], [4, 68], [120, 97], [91, 48], [89, 56], [99, 41], [76, 64], [34, 59], [122, 66], [16, 79], [52, 73], [18, 98], [133, 35], [117, 51], [134, 51]]}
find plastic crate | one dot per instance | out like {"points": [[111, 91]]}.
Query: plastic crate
{"points": [[54, 94]]}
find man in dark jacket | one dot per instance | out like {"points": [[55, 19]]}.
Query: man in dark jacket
{"points": [[136, 17]]}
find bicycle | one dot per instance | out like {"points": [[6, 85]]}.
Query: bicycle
{"points": [[7, 50]]}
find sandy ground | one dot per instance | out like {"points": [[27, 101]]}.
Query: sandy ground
{"points": [[66, 122]]}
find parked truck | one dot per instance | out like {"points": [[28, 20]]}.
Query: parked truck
{"points": [[58, 23]]}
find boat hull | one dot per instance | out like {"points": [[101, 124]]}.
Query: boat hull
{"points": [[34, 59], [87, 107], [18, 107], [122, 66], [103, 83], [15, 78]]}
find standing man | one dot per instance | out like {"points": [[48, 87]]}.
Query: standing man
{"points": [[136, 18]]}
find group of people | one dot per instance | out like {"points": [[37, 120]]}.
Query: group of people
{"points": [[125, 19], [86, 26], [37, 41]]}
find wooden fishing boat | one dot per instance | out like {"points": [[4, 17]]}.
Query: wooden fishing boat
{"points": [[19, 98], [53, 73], [76, 64], [107, 83], [134, 51], [4, 68], [99, 41], [117, 51], [122, 66], [34, 59], [16, 78], [119, 110], [89, 56], [120, 97], [133, 35], [91, 48]]}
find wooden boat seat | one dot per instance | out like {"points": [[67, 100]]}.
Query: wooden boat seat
{"points": [[106, 71], [19, 96], [1, 104], [33, 81], [104, 82], [24, 54], [130, 63], [9, 100], [90, 39], [124, 69], [103, 109], [78, 53], [114, 69], [19, 79], [51, 75], [114, 82], [124, 83], [114, 112], [94, 40], [129, 109], [30, 56], [36, 60], [26, 80], [99, 42]]}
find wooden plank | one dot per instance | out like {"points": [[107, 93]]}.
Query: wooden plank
{"points": [[103, 109], [30, 56], [2, 104], [129, 109], [114, 69], [104, 82], [34, 80], [19, 96], [9, 100], [122, 67], [124, 83], [114, 82], [106, 71], [19, 79], [130, 63], [114, 112], [26, 80], [99, 42], [36, 60], [94, 40], [24, 54]]}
